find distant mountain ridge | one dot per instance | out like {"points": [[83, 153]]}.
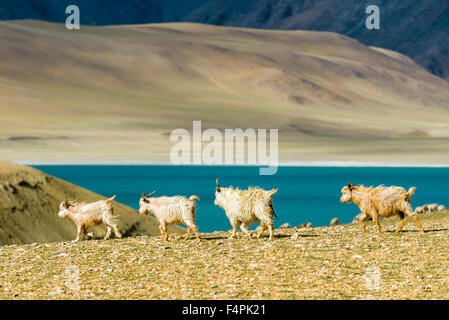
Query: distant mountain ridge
{"points": [[419, 29], [117, 92]]}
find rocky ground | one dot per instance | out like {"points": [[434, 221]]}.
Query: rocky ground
{"points": [[311, 263]]}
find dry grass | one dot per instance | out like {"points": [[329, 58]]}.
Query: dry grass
{"points": [[321, 263]]}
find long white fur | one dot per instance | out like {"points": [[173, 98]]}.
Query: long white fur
{"points": [[243, 207], [86, 215], [171, 210]]}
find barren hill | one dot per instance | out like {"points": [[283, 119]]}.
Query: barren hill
{"points": [[29, 203], [117, 92]]}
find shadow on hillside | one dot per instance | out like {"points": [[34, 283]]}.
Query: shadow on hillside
{"points": [[276, 236], [280, 236], [215, 238], [425, 231]]}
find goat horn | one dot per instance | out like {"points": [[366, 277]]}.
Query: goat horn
{"points": [[143, 195], [151, 193], [218, 185], [67, 204]]}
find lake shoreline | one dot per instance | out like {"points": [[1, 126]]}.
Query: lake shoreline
{"points": [[306, 194], [336, 164]]}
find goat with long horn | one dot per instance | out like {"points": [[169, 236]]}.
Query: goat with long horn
{"points": [[171, 210], [86, 215]]}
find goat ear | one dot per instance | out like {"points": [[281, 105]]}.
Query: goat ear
{"points": [[218, 189]]}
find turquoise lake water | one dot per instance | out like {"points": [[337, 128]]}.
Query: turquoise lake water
{"points": [[306, 194]]}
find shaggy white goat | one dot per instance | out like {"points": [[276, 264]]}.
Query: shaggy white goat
{"points": [[86, 215], [171, 210], [244, 207]]}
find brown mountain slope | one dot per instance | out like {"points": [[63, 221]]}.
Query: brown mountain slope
{"points": [[29, 203], [117, 92]]}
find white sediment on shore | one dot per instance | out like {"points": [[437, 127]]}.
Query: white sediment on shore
{"points": [[280, 164]]}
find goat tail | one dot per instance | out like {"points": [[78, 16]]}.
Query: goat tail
{"points": [[411, 191], [110, 199], [193, 198]]}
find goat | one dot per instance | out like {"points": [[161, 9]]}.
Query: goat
{"points": [[171, 210], [381, 202], [86, 215], [419, 209], [243, 207], [432, 207]]}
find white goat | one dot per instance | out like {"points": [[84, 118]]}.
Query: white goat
{"points": [[419, 209], [432, 207], [244, 207], [171, 210], [86, 215]]}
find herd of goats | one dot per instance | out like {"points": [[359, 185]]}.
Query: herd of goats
{"points": [[242, 207]]}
